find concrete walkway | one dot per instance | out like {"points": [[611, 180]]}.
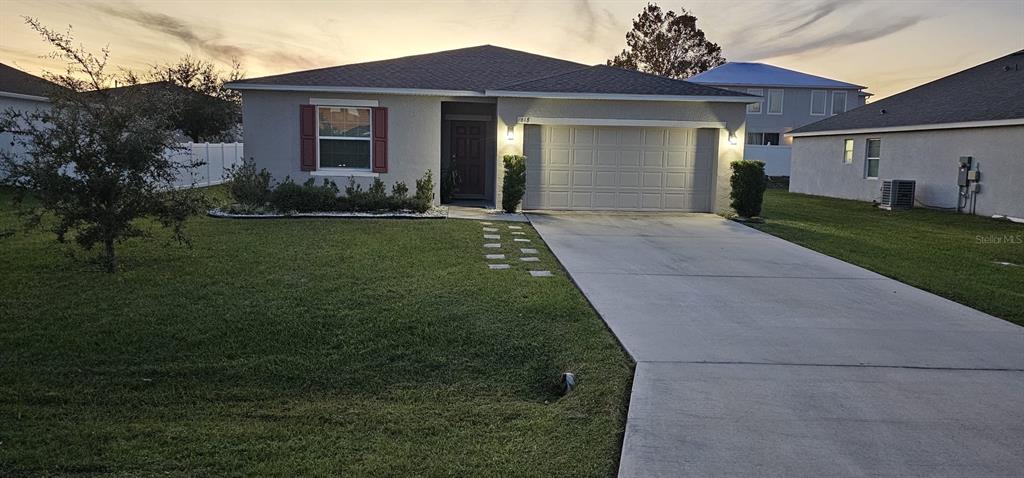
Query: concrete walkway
{"points": [[757, 357]]}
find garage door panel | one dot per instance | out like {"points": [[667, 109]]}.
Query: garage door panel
{"points": [[652, 180], [607, 158], [616, 168], [583, 157], [606, 178], [629, 159]]}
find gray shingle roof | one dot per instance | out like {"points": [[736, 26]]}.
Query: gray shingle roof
{"points": [[987, 92], [468, 69], [13, 80], [603, 79], [488, 67]]}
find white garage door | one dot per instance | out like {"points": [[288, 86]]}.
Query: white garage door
{"points": [[615, 167]]}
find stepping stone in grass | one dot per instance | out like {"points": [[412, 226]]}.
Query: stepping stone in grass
{"points": [[492, 245], [485, 223], [541, 273], [490, 229], [495, 267], [515, 227], [518, 233], [491, 236], [494, 256], [530, 259], [528, 251], [519, 239]]}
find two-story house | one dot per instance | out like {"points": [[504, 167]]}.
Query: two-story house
{"points": [[790, 99]]}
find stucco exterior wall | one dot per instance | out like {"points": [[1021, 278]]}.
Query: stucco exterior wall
{"points": [[929, 157], [271, 132], [733, 115]]}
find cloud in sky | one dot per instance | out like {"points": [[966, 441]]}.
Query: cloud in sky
{"points": [[202, 39]]}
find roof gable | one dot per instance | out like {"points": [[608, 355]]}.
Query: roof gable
{"points": [[489, 71], [467, 69], [761, 74], [992, 91]]}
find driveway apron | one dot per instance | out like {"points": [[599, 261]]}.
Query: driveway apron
{"points": [[758, 357]]}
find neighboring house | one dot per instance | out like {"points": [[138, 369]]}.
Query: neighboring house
{"points": [[790, 99], [921, 134], [596, 137], [22, 92]]}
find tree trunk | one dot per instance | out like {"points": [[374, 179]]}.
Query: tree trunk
{"points": [[111, 258]]}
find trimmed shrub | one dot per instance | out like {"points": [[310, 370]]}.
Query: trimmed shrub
{"points": [[514, 184], [291, 197], [400, 191], [247, 186], [748, 183], [424, 197]]}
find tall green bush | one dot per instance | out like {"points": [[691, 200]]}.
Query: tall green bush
{"points": [[748, 183], [514, 184], [246, 185], [424, 192]]}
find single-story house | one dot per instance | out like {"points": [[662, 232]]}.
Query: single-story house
{"points": [[790, 99], [21, 91], [921, 134], [596, 137]]}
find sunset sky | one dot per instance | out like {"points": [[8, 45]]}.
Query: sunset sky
{"points": [[887, 45]]}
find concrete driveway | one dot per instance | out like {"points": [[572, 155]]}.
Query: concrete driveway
{"points": [[757, 357]]}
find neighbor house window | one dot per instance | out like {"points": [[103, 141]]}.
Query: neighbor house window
{"points": [[775, 102], [847, 151], [838, 102], [818, 102], [755, 107], [874, 154], [343, 137], [763, 139]]}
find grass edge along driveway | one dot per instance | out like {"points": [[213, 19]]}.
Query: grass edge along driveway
{"points": [[956, 256]]}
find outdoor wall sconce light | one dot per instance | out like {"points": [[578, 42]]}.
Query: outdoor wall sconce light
{"points": [[511, 135], [732, 138]]}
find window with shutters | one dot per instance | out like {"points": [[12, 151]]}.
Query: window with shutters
{"points": [[343, 138]]}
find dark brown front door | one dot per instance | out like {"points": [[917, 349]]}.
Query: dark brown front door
{"points": [[468, 153]]}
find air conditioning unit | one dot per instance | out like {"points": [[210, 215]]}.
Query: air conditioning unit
{"points": [[897, 194]]}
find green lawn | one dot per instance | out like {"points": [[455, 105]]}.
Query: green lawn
{"points": [[952, 255], [302, 347]]}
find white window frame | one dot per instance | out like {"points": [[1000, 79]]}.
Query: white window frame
{"points": [[782, 100], [824, 102], [760, 103], [369, 139], [832, 103], [868, 158], [848, 153]]}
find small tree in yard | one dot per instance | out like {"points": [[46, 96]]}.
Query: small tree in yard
{"points": [[97, 162], [514, 184], [748, 183]]}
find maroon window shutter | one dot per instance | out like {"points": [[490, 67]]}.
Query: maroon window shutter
{"points": [[380, 140], [307, 135]]}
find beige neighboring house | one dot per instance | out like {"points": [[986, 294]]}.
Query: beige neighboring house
{"points": [[921, 134], [596, 137], [21, 91]]}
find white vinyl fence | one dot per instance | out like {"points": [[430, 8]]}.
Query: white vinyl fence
{"points": [[217, 156]]}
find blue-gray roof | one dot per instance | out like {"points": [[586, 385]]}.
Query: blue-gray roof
{"points": [[760, 74]]}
